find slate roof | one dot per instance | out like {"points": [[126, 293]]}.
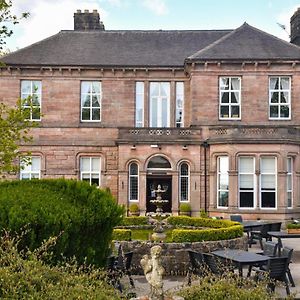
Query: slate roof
{"points": [[248, 43], [160, 48], [115, 48]]}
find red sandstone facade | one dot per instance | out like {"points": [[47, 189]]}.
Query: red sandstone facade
{"points": [[272, 145]]}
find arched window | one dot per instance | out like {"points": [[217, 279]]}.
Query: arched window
{"points": [[184, 182], [133, 182], [159, 162]]}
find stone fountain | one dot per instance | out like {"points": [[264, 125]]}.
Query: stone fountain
{"points": [[158, 231]]}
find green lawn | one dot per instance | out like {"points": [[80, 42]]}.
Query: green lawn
{"points": [[145, 234]]}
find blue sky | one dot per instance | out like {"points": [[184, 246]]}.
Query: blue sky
{"points": [[49, 17]]}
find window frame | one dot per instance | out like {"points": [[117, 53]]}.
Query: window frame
{"points": [[180, 182], [159, 113], [141, 123], [279, 104], [130, 176], [30, 94], [290, 173], [218, 181], [29, 165], [230, 104], [90, 172], [254, 183], [260, 182], [178, 96], [91, 107]]}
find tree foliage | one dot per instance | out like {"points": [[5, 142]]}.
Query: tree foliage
{"points": [[6, 17], [14, 128]]}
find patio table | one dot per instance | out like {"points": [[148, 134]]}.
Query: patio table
{"points": [[282, 235], [241, 258]]}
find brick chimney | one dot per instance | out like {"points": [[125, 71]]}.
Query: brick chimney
{"points": [[295, 28], [87, 20]]}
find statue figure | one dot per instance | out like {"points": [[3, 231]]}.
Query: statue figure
{"points": [[154, 271]]}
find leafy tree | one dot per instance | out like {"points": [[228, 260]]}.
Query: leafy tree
{"points": [[7, 17], [14, 124], [14, 128]]}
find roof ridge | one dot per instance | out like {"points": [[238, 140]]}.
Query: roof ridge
{"points": [[217, 41], [146, 30]]}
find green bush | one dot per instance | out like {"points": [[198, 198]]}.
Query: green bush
{"points": [[132, 221], [293, 226], [199, 222], [186, 235], [121, 235], [226, 287], [31, 278], [184, 207], [85, 214]]}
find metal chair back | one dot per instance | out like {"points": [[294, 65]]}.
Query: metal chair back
{"points": [[236, 218], [270, 248], [212, 264], [196, 264], [275, 226]]}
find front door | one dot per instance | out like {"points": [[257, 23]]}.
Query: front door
{"points": [[165, 183]]}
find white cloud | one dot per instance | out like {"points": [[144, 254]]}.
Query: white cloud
{"points": [[284, 19], [49, 17], [158, 7]]}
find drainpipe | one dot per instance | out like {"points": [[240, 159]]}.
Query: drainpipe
{"points": [[205, 146]]}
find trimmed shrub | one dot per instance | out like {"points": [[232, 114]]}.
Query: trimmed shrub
{"points": [[121, 235], [31, 278], [226, 287], [132, 221], [199, 222], [84, 214], [187, 235], [293, 226]]}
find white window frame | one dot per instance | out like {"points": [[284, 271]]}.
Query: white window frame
{"points": [[218, 181], [159, 100], [279, 90], [178, 109], [32, 92], [290, 174], [90, 172], [260, 183], [130, 176], [91, 107], [26, 167], [139, 95], [230, 104], [180, 182], [254, 184]]}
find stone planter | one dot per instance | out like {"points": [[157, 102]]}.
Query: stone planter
{"points": [[175, 257], [294, 230]]}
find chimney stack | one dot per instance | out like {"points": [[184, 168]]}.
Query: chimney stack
{"points": [[87, 20], [295, 28]]}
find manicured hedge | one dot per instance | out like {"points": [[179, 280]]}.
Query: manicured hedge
{"points": [[199, 222], [130, 221], [121, 234], [218, 229], [213, 234], [85, 214]]}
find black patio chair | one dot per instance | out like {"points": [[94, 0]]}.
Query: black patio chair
{"points": [[275, 270], [197, 265], [269, 248], [275, 227], [214, 265], [260, 234], [288, 252], [236, 218]]}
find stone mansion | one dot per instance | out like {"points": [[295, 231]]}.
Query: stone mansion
{"points": [[213, 116]]}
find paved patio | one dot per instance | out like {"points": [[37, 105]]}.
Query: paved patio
{"points": [[176, 282]]}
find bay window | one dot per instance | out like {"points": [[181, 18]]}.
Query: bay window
{"points": [[223, 181], [246, 182]]}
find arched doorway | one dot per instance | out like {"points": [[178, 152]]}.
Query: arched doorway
{"points": [[157, 174]]}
